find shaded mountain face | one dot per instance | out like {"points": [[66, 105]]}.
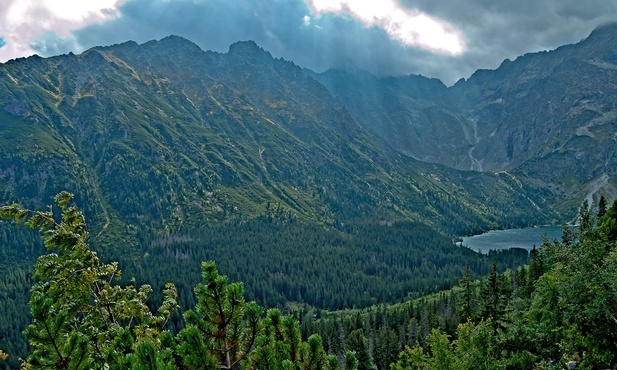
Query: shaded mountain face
{"points": [[549, 118], [166, 136]]}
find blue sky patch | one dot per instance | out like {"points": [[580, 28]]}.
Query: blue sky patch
{"points": [[2, 42]]}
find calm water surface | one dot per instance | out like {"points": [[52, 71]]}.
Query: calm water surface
{"points": [[512, 238]]}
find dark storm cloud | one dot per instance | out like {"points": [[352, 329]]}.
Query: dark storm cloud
{"points": [[279, 26], [493, 30], [500, 29]]}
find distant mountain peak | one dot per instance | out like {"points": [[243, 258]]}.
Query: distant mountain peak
{"points": [[248, 48], [126, 44], [605, 32], [170, 44], [176, 39]]}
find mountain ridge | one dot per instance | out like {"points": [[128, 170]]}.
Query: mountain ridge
{"points": [[167, 134], [518, 118]]}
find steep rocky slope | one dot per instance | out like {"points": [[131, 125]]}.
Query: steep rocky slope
{"points": [[549, 118]]}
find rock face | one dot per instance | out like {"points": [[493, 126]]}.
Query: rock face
{"points": [[535, 105], [549, 117]]}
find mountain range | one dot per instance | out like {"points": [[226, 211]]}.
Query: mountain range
{"points": [[165, 135], [547, 118]]}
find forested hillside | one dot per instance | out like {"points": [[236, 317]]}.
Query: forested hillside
{"points": [[282, 261], [164, 136], [558, 310]]}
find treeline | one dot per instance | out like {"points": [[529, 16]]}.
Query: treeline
{"points": [[557, 311], [283, 260], [284, 263], [82, 319]]}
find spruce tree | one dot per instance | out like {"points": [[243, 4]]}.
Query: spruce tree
{"points": [[467, 298], [357, 342], [494, 298]]}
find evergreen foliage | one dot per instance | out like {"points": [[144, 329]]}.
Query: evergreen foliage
{"points": [[559, 309], [83, 319], [223, 324], [602, 206], [357, 342], [282, 261]]}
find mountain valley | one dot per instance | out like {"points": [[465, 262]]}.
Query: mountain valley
{"points": [[323, 191]]}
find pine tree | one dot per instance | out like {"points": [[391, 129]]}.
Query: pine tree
{"points": [[601, 206], [80, 319], [280, 347], [223, 328], [468, 296]]}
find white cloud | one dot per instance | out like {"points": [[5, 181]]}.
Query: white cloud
{"points": [[307, 20], [24, 22], [410, 27]]}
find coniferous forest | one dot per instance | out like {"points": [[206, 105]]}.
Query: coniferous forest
{"points": [[559, 308], [354, 266]]}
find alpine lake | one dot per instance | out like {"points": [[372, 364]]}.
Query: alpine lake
{"points": [[525, 238]]}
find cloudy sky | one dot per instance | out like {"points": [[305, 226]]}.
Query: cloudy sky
{"points": [[447, 39]]}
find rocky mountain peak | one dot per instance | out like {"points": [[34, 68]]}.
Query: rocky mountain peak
{"points": [[603, 33], [173, 46], [549, 114], [248, 50]]}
